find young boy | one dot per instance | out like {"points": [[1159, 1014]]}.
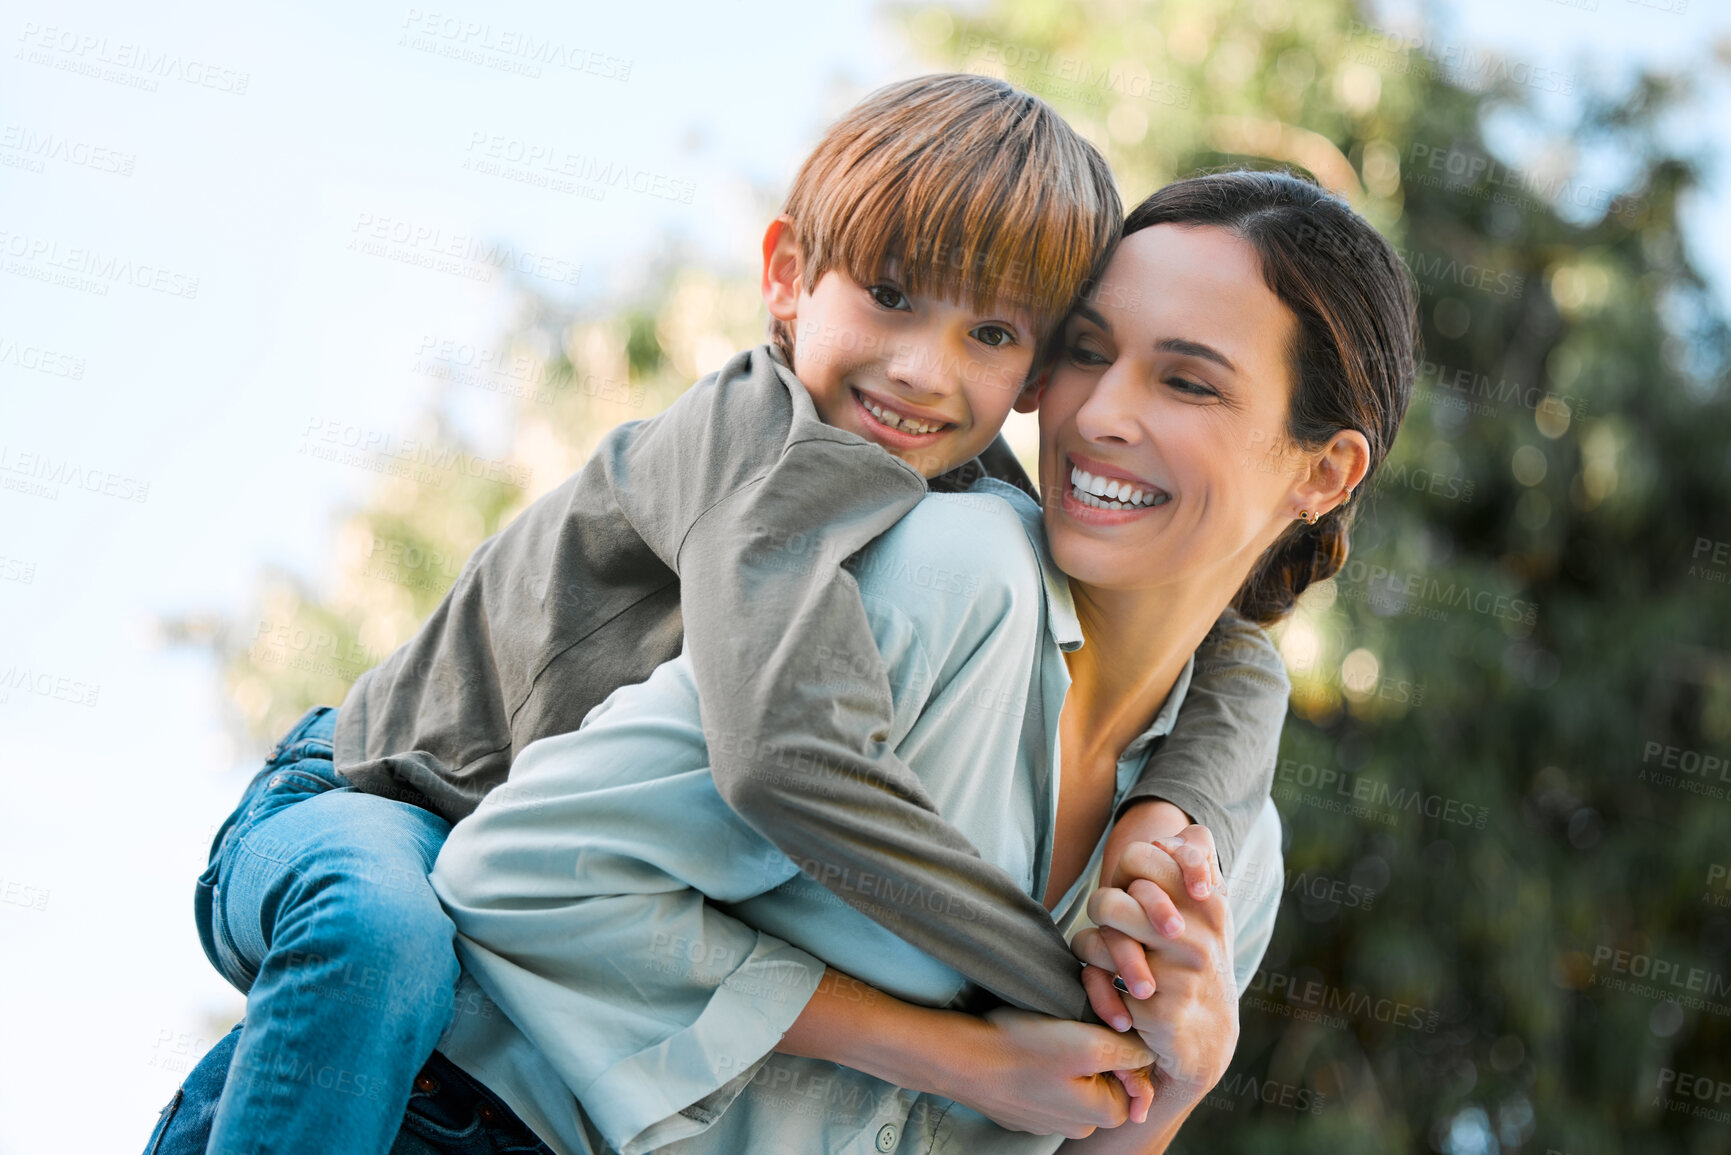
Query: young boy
{"points": [[966, 216]]}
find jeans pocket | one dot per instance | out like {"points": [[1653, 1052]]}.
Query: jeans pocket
{"points": [[154, 1145]]}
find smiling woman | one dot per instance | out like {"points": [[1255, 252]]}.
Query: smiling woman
{"points": [[1251, 337]]}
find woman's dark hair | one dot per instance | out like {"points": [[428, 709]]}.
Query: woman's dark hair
{"points": [[1354, 355]]}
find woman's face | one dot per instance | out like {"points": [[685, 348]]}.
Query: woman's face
{"points": [[1171, 395]]}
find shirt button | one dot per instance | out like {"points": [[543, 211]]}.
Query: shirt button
{"points": [[887, 1137]]}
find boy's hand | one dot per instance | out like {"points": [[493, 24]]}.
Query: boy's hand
{"points": [[1142, 907]]}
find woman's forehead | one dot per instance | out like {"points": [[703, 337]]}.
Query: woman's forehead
{"points": [[1196, 284]]}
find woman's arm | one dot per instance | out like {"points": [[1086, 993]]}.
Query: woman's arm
{"points": [[1023, 1071]]}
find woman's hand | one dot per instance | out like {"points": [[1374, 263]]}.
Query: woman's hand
{"points": [[1190, 1018]]}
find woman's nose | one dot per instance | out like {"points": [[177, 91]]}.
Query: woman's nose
{"points": [[1111, 414]]}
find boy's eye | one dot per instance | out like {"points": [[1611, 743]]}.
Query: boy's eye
{"points": [[995, 336], [889, 296]]}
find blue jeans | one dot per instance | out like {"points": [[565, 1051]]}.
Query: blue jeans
{"points": [[316, 904], [449, 1112]]}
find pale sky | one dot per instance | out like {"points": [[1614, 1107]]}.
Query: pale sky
{"points": [[251, 157]]}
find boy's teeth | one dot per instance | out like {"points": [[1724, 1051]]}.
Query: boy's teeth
{"points": [[896, 421], [1103, 493]]}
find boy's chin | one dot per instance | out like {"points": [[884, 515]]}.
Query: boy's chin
{"points": [[931, 462]]}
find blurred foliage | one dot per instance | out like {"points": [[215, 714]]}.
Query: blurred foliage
{"points": [[1478, 821]]}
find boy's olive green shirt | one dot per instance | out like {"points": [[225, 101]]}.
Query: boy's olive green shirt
{"points": [[722, 524]]}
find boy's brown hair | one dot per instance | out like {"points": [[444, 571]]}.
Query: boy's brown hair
{"points": [[981, 192]]}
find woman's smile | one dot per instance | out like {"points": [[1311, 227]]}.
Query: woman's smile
{"points": [[1100, 494]]}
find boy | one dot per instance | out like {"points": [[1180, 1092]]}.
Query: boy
{"points": [[970, 215]]}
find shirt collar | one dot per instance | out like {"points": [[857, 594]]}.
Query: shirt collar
{"points": [[1061, 620], [1166, 718]]}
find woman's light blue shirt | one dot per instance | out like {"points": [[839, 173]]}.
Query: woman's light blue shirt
{"points": [[648, 948]]}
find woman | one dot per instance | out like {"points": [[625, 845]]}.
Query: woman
{"points": [[1242, 368], [1244, 365]]}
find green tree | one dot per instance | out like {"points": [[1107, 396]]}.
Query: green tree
{"points": [[1530, 612], [1497, 777]]}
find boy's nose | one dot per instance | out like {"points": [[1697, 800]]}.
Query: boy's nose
{"points": [[926, 366]]}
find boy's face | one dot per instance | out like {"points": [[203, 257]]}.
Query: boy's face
{"points": [[928, 379]]}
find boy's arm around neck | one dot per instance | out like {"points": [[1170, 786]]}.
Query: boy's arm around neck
{"points": [[767, 605], [1217, 764]]}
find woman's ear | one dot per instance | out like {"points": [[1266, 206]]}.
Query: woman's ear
{"points": [[783, 269], [1335, 471], [1028, 399]]}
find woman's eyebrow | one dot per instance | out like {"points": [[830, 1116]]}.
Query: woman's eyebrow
{"points": [[1185, 348], [1092, 315]]}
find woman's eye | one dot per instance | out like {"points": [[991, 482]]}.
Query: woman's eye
{"points": [[1084, 356], [888, 296], [995, 335], [1185, 385]]}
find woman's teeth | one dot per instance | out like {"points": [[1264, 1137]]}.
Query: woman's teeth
{"points": [[896, 421], [1110, 493]]}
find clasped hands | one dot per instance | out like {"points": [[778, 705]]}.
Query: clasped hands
{"points": [[1162, 925]]}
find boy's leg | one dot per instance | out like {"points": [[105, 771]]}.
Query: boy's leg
{"points": [[184, 1127], [450, 1113], [319, 907]]}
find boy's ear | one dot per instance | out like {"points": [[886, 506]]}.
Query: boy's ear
{"points": [[1028, 399], [783, 269]]}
